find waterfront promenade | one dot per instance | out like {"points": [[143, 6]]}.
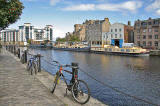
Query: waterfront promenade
{"points": [[18, 88]]}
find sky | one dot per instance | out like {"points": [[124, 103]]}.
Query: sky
{"points": [[63, 14]]}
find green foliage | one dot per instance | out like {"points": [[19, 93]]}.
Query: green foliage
{"points": [[10, 11], [61, 39], [29, 41], [46, 41], [74, 38]]}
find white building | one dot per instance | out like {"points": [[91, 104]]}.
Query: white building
{"points": [[9, 35], [27, 32], [115, 36], [48, 33]]}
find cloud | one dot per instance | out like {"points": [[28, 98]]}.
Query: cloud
{"points": [[154, 6], [54, 2], [81, 7], [58, 33], [129, 5], [158, 12]]}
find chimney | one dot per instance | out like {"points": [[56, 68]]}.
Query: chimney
{"points": [[106, 19], [129, 23]]}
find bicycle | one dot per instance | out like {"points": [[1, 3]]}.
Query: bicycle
{"points": [[78, 88], [33, 64], [22, 58]]}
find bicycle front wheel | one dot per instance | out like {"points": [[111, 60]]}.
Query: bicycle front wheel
{"points": [[35, 68], [55, 81], [80, 92]]}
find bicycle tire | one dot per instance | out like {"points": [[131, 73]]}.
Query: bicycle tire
{"points": [[35, 68], [55, 83], [22, 60], [31, 69], [28, 65], [76, 93]]}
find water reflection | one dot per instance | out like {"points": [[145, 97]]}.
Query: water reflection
{"points": [[138, 76]]}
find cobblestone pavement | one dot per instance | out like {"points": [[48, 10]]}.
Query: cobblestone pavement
{"points": [[18, 88]]}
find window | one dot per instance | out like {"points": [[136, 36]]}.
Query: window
{"points": [[150, 43], [111, 36], [144, 43], [149, 23], [150, 30], [119, 30], [144, 36], [138, 37], [144, 30], [138, 31], [156, 30], [143, 23], [150, 37], [111, 30], [115, 35], [156, 43], [138, 43], [156, 22], [115, 30], [120, 35], [156, 36]]}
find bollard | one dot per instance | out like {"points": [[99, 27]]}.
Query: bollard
{"points": [[75, 72], [39, 62]]}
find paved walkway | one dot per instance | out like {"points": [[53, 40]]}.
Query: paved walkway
{"points": [[18, 88]]}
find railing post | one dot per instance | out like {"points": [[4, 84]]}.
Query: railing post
{"points": [[74, 71], [19, 53], [25, 56], [39, 61], [14, 50]]}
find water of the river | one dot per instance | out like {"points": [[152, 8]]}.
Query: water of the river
{"points": [[136, 76]]}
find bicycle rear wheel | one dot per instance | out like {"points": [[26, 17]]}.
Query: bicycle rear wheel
{"points": [[28, 65], [80, 92]]}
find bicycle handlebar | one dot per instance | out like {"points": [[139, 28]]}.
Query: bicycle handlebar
{"points": [[67, 65], [36, 55]]}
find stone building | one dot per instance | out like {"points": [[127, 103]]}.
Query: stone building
{"points": [[79, 30], [147, 33], [95, 30]]}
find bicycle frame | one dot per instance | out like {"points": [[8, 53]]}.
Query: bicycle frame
{"points": [[61, 74], [31, 60]]}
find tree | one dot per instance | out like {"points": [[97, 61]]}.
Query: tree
{"points": [[61, 39], [74, 38], [10, 11], [46, 41], [29, 41]]}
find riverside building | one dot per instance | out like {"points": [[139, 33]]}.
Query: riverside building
{"points": [[10, 36], [25, 33], [95, 30], [147, 33], [118, 35]]}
